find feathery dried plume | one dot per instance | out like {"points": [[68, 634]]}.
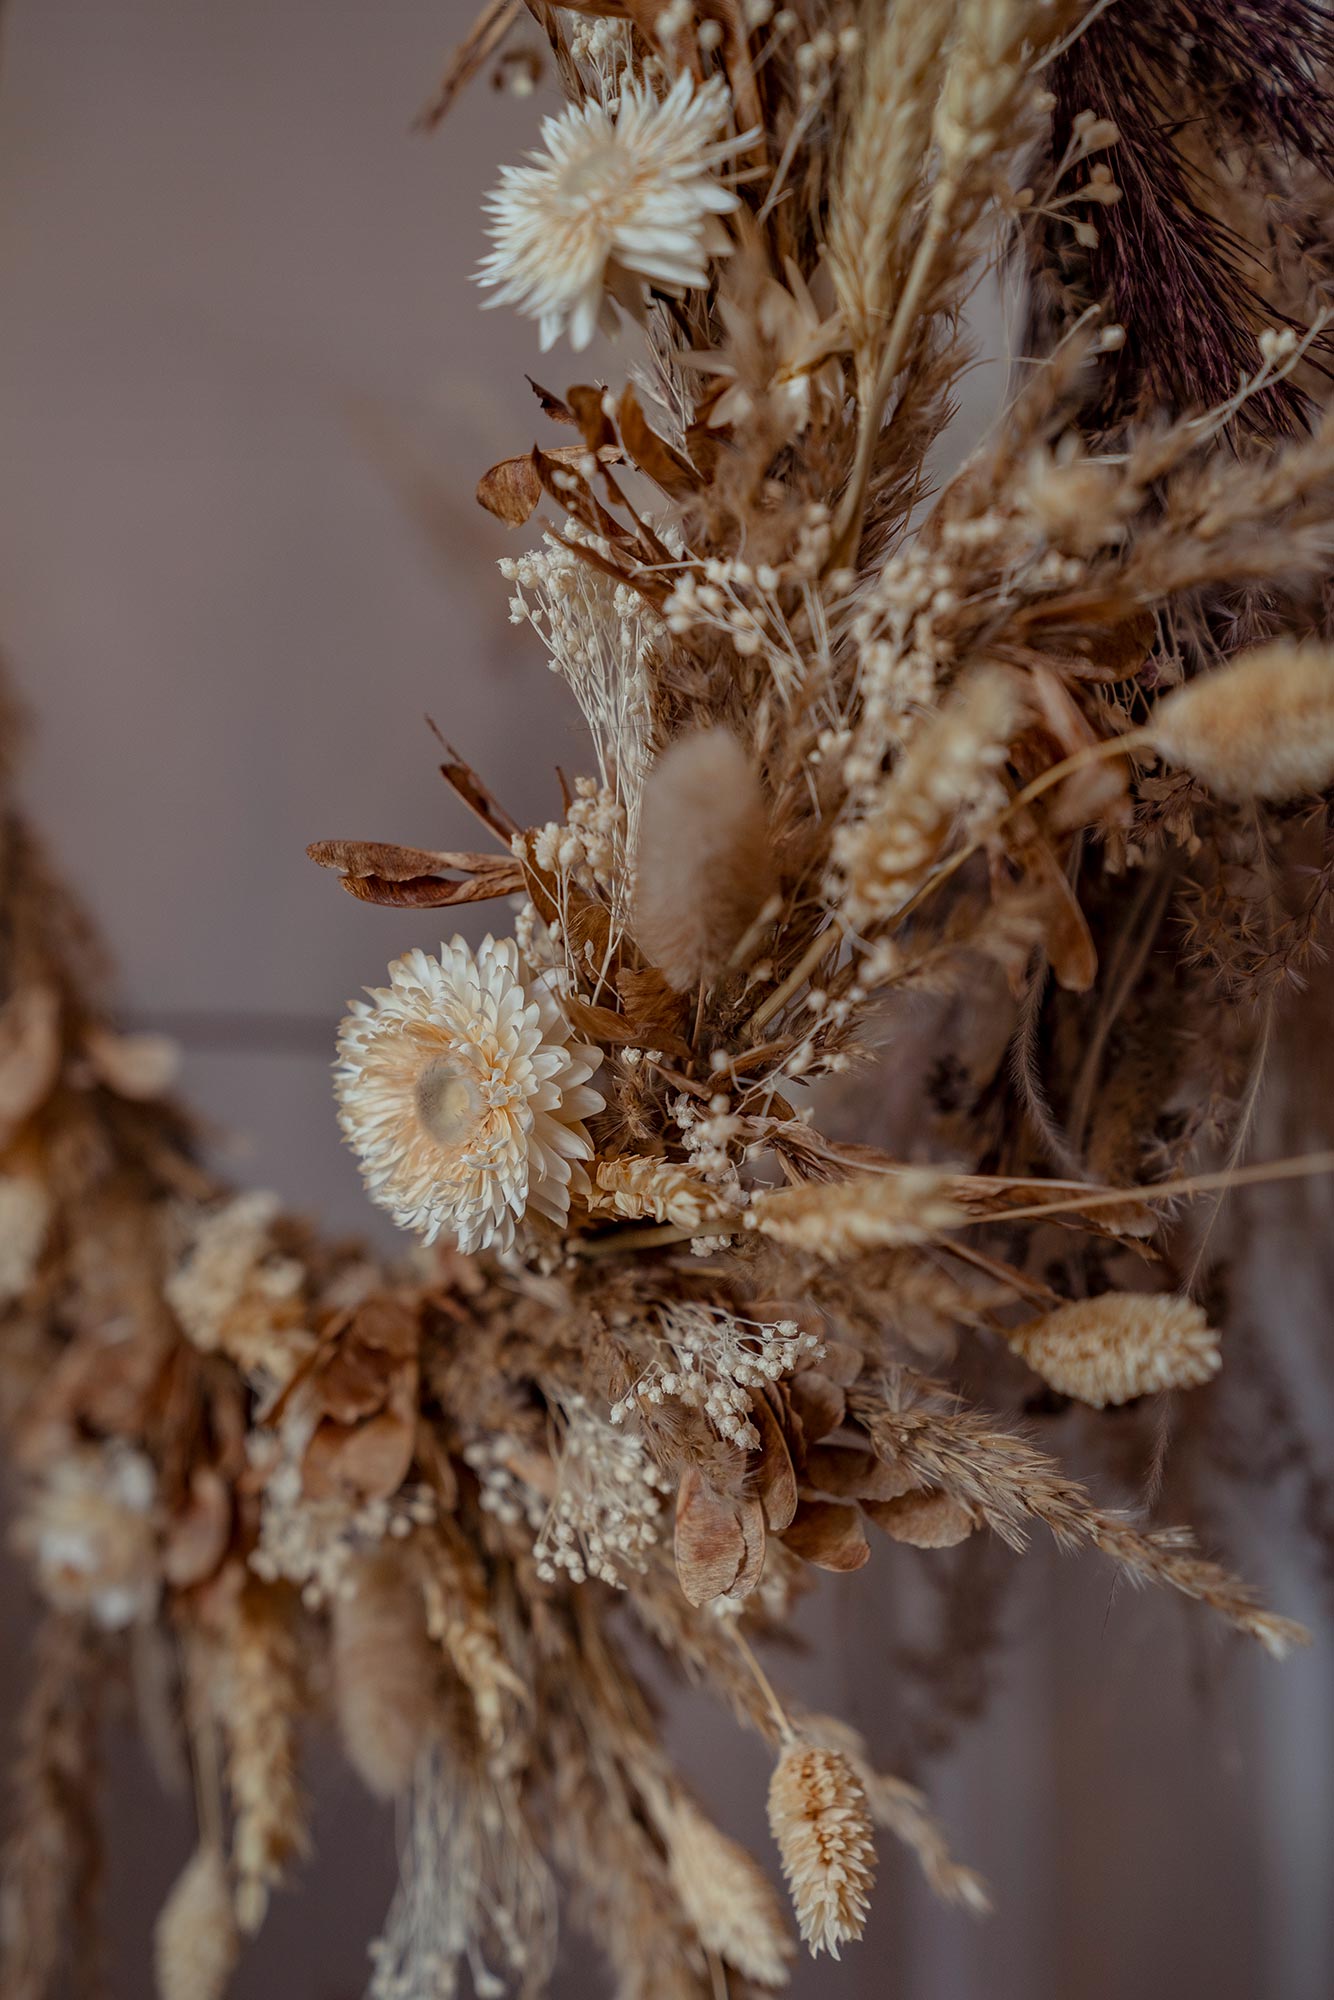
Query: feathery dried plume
{"points": [[259, 1704], [1261, 727], [1119, 1345], [385, 1673], [727, 1896], [837, 1219], [613, 206], [946, 778], [880, 170], [819, 1818], [195, 1941], [703, 870], [998, 1475], [458, 1619], [462, 1090]]}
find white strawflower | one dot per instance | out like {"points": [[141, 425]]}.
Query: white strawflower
{"points": [[612, 205], [461, 1089]]}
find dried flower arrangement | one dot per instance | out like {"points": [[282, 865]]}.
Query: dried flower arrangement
{"points": [[999, 800]]}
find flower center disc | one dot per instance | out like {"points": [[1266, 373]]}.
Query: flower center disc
{"points": [[448, 1106]]}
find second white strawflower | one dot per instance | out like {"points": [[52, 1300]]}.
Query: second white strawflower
{"points": [[464, 1093], [611, 206]]}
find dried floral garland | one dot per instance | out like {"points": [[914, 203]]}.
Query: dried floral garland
{"points": [[886, 785]]}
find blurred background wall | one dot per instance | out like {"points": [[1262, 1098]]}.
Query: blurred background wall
{"points": [[245, 390]]}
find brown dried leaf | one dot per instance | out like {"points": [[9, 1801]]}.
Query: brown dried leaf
{"points": [[750, 1514], [819, 1404], [652, 454], [464, 782], [510, 490], [1065, 932], [929, 1520], [368, 1462], [586, 408], [430, 892], [775, 1480], [848, 1474], [657, 1012], [552, 406], [403, 864], [199, 1533], [480, 43], [710, 1541], [830, 1536]]}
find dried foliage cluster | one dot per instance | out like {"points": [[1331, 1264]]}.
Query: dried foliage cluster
{"points": [[909, 950]]}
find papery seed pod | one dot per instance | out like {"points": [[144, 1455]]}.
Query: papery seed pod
{"points": [[704, 869], [1120, 1345], [1261, 727]]}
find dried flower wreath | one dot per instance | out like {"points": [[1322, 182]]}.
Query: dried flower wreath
{"points": [[1001, 799]]}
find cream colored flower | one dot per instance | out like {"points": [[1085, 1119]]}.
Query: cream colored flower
{"points": [[465, 1096], [610, 207]]}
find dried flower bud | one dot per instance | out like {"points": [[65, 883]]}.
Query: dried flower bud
{"points": [[836, 1219], [1261, 727], [1123, 1344], [704, 868], [818, 1815]]}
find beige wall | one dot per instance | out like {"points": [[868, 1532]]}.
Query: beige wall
{"points": [[233, 296]]}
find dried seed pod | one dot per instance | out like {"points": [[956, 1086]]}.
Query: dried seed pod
{"points": [[931, 1520], [819, 1817], [704, 868], [1261, 727], [1120, 1345]]}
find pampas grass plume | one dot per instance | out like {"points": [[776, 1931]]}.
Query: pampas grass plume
{"points": [[385, 1675], [1261, 727], [1120, 1345], [704, 869], [727, 1896], [195, 1942]]}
